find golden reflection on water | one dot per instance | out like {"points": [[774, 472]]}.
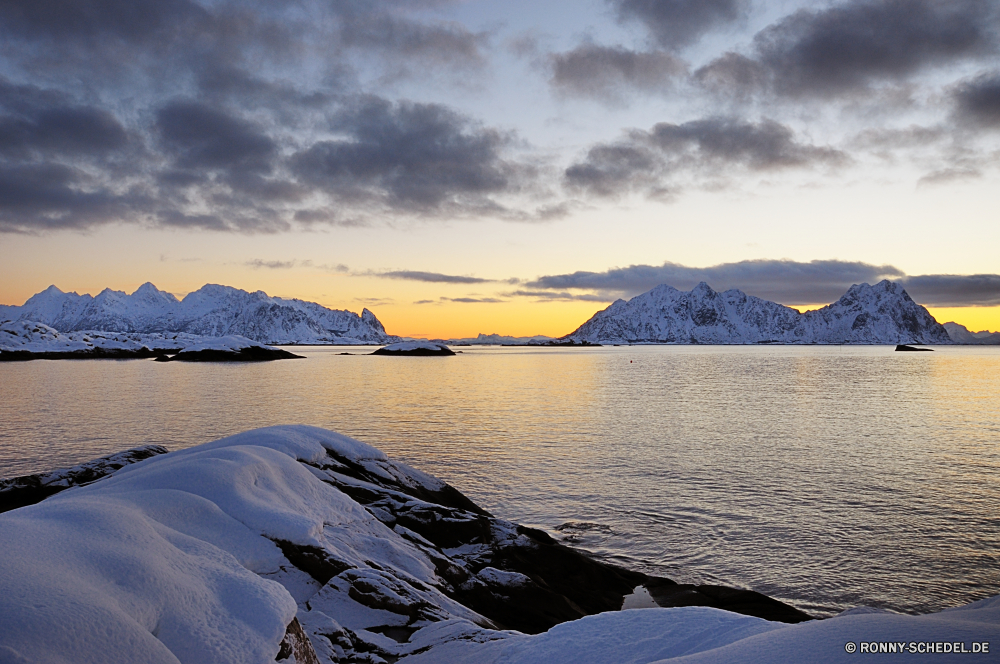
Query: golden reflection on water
{"points": [[826, 476]]}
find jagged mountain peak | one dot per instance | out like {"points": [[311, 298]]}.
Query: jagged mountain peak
{"points": [[703, 290], [149, 291]]}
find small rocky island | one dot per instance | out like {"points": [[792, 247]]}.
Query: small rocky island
{"points": [[229, 349], [419, 348]]}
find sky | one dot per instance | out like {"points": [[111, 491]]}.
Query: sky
{"points": [[476, 166]]}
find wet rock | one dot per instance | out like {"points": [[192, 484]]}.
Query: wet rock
{"points": [[746, 602]]}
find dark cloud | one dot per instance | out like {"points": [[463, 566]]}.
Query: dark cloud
{"points": [[130, 20], [608, 72], [953, 290], [34, 120], [258, 263], [563, 296], [851, 45], [46, 196], [676, 23], [429, 277], [978, 100], [409, 155], [243, 117], [648, 160], [733, 74], [201, 137], [473, 300], [389, 32], [779, 280]]}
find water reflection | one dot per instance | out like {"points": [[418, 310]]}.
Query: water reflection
{"points": [[828, 477]]}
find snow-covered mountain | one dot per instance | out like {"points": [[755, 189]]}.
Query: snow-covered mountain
{"points": [[211, 310], [497, 340], [879, 314], [962, 335]]}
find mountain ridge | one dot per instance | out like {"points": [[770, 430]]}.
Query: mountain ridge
{"points": [[212, 310], [866, 314]]}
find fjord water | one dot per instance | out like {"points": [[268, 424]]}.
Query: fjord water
{"points": [[828, 477]]}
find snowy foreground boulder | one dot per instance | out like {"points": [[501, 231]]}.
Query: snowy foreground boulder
{"points": [[296, 544]]}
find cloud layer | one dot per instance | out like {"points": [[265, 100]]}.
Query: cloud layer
{"points": [[785, 281], [276, 116]]}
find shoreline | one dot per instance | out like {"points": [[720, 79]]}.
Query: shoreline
{"points": [[342, 555]]}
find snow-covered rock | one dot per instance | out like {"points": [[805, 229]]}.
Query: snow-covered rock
{"points": [[212, 310], [30, 489], [698, 635], [879, 314], [27, 340], [415, 347], [298, 542], [961, 335]]}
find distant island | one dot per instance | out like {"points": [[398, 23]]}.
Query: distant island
{"points": [[865, 314]]}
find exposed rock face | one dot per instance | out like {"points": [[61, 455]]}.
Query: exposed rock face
{"points": [[211, 310], [30, 489], [296, 648], [961, 335], [879, 314]]}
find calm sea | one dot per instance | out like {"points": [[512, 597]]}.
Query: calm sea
{"points": [[828, 477]]}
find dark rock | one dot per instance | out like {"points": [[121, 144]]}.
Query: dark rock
{"points": [[295, 647], [416, 352], [91, 354], [249, 354], [30, 489], [312, 560], [746, 602], [533, 582], [905, 347]]}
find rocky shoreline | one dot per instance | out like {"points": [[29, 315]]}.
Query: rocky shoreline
{"points": [[22, 341], [335, 553]]}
